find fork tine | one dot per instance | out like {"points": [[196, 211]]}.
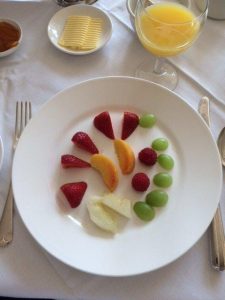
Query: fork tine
{"points": [[22, 117], [17, 118], [28, 112]]}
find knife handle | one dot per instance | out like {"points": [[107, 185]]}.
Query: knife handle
{"points": [[217, 239], [217, 242]]}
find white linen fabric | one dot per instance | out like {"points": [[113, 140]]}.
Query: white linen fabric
{"points": [[36, 72]]}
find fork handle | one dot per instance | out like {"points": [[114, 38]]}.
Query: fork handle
{"points": [[6, 224], [217, 242]]}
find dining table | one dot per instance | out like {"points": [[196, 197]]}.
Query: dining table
{"points": [[37, 71]]}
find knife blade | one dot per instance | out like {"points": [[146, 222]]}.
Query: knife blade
{"points": [[216, 229]]}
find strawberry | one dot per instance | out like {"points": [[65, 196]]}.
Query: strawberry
{"points": [[83, 141], [130, 123], [74, 192], [140, 182], [71, 161], [147, 156], [104, 124]]}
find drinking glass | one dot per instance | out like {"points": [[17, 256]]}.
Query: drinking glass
{"points": [[167, 28]]}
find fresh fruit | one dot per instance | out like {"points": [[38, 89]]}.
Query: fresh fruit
{"points": [[156, 198], [147, 120], [148, 156], [144, 211], [74, 192], [166, 161], [101, 216], [140, 182], [83, 141], [130, 123], [163, 179], [107, 169], [125, 156], [104, 124], [71, 161], [160, 144], [118, 204]]}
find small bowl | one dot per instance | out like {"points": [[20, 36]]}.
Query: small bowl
{"points": [[56, 25], [131, 6], [14, 48]]}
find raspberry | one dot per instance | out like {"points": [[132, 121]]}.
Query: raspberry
{"points": [[140, 182], [148, 156]]}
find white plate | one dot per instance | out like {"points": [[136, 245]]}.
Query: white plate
{"points": [[56, 25], [68, 234], [1, 152]]}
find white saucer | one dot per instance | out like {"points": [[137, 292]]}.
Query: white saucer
{"points": [[57, 22]]}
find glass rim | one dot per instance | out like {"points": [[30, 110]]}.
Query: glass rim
{"points": [[177, 23]]}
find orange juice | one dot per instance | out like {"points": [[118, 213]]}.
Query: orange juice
{"points": [[166, 29]]}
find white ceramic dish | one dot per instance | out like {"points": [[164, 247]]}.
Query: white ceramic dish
{"points": [[13, 49], [1, 152], [56, 25], [69, 235]]}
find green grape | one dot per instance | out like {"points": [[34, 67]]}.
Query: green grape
{"points": [[166, 161], [144, 211], [147, 120], [156, 198], [160, 144], [163, 179]]}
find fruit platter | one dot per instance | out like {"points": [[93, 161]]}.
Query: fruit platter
{"points": [[103, 208], [115, 172]]}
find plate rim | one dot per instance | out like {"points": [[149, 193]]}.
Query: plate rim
{"points": [[51, 99], [73, 52], [1, 152]]}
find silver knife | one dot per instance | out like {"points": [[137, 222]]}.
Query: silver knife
{"points": [[216, 230]]}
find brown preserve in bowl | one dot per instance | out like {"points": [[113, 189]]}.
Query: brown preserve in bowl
{"points": [[9, 36]]}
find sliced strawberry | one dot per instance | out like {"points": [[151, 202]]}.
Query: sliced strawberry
{"points": [[83, 141], [71, 161], [130, 123], [74, 192], [104, 124]]}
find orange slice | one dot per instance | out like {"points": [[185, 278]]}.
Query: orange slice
{"points": [[107, 169], [125, 156]]}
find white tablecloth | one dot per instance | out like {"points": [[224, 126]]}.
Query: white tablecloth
{"points": [[36, 72]]}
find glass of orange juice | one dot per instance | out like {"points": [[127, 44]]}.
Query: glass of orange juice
{"points": [[167, 28]]}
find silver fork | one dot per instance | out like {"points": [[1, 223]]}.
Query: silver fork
{"points": [[23, 115]]}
